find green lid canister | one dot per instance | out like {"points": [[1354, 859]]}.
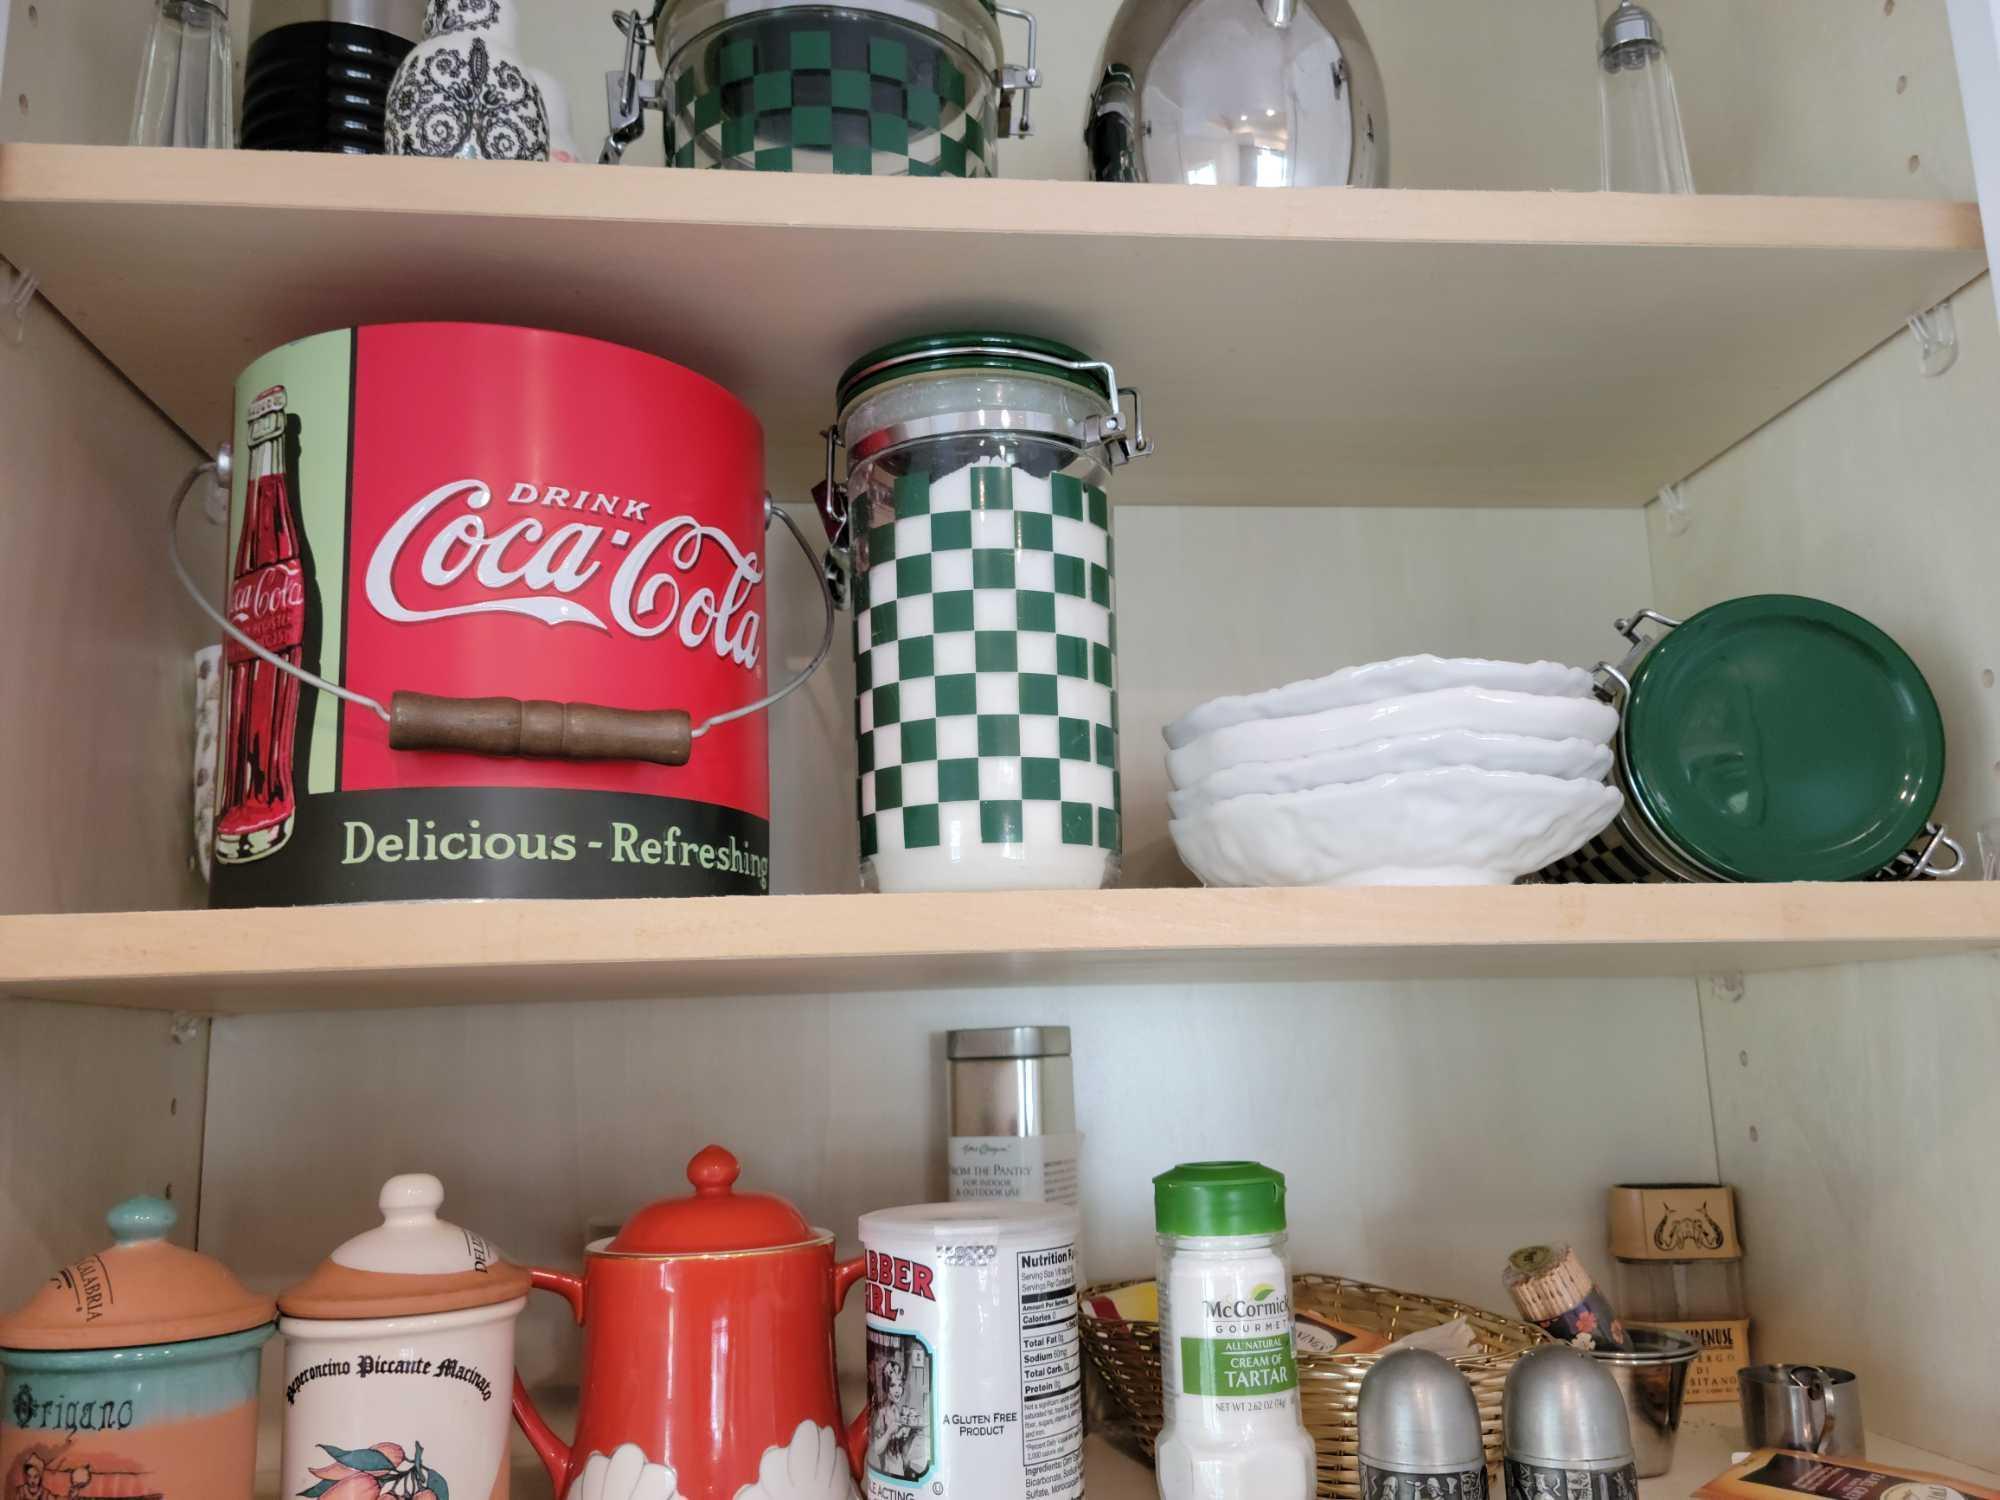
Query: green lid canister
{"points": [[1771, 738]]}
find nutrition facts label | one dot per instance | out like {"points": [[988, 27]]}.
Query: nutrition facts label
{"points": [[1051, 1375]]}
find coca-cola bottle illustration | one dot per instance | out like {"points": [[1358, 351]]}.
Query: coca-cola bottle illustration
{"points": [[267, 602]]}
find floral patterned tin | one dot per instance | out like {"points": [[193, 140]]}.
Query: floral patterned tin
{"points": [[399, 1360], [132, 1374]]}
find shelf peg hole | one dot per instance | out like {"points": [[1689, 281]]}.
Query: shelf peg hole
{"points": [[1986, 678], [1753, 1134], [1916, 162], [173, 1106], [23, 102], [1902, 83], [1888, 7], [1743, 1058]]}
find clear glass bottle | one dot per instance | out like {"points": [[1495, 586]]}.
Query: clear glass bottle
{"points": [[1643, 147], [186, 88], [1680, 1268], [1229, 1371]]}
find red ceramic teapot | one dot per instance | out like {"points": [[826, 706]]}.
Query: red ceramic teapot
{"points": [[707, 1354]]}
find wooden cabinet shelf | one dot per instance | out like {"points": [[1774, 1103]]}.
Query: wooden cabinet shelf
{"points": [[430, 953], [1312, 347]]}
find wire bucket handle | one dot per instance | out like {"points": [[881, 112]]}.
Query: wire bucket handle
{"points": [[513, 726]]}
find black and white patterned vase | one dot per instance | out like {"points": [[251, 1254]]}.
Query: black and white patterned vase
{"points": [[465, 90]]}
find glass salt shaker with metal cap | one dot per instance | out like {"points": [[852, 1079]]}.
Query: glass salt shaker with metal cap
{"points": [[975, 520], [881, 88], [1644, 149]]}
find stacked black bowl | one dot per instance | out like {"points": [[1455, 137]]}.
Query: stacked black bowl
{"points": [[318, 74]]}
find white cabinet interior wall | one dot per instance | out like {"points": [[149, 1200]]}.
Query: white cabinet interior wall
{"points": [[1427, 1127]]}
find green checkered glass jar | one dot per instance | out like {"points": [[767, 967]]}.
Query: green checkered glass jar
{"points": [[976, 520], [881, 88]]}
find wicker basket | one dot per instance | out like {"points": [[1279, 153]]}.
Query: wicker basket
{"points": [[1126, 1354]]}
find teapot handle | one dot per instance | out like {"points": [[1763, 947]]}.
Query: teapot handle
{"points": [[845, 1274], [554, 1453]]}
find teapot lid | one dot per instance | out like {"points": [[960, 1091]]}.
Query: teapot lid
{"points": [[142, 1290], [412, 1263], [714, 1218]]}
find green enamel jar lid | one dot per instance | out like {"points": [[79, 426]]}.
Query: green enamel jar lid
{"points": [[1778, 738], [962, 352]]}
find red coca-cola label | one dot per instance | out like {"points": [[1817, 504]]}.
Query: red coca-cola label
{"points": [[524, 515]]}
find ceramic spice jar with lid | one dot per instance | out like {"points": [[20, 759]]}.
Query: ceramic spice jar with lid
{"points": [[466, 91], [133, 1373], [399, 1360]]}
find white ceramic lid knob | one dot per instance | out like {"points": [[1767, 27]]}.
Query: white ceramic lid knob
{"points": [[414, 1197], [412, 1240]]}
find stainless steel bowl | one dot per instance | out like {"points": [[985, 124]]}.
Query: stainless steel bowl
{"points": [[1653, 1379], [1264, 93]]}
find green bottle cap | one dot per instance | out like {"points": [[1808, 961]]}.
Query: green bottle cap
{"points": [[1214, 1199]]}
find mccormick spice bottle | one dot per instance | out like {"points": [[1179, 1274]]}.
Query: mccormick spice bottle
{"points": [[1680, 1268], [267, 602], [1229, 1370]]}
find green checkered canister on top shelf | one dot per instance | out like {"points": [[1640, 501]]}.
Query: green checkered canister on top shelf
{"points": [[985, 633], [843, 90]]}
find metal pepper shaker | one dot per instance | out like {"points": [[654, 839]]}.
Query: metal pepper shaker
{"points": [[1568, 1434], [1417, 1429], [1013, 1114]]}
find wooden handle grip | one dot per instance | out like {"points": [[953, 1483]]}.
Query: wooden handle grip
{"points": [[552, 731]]}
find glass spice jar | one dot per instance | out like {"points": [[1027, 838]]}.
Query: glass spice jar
{"points": [[976, 520], [1680, 1269]]}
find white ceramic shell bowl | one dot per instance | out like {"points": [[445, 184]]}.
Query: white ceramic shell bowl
{"points": [[1374, 682], [1450, 826], [1479, 710], [1572, 759]]}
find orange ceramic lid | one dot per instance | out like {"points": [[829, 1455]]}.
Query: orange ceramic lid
{"points": [[411, 1264], [714, 1218], [140, 1291]]}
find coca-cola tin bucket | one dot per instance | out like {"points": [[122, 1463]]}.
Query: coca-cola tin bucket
{"points": [[430, 523]]}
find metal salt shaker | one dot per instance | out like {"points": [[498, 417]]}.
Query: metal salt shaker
{"points": [[1568, 1434], [1418, 1431], [1013, 1114]]}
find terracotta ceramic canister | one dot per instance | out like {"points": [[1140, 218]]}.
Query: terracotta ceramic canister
{"points": [[399, 1360], [132, 1375]]}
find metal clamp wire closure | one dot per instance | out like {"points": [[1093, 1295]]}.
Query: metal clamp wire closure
{"points": [[220, 468], [1113, 425]]}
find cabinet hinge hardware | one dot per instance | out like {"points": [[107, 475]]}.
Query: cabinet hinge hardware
{"points": [[20, 292], [1936, 333]]}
